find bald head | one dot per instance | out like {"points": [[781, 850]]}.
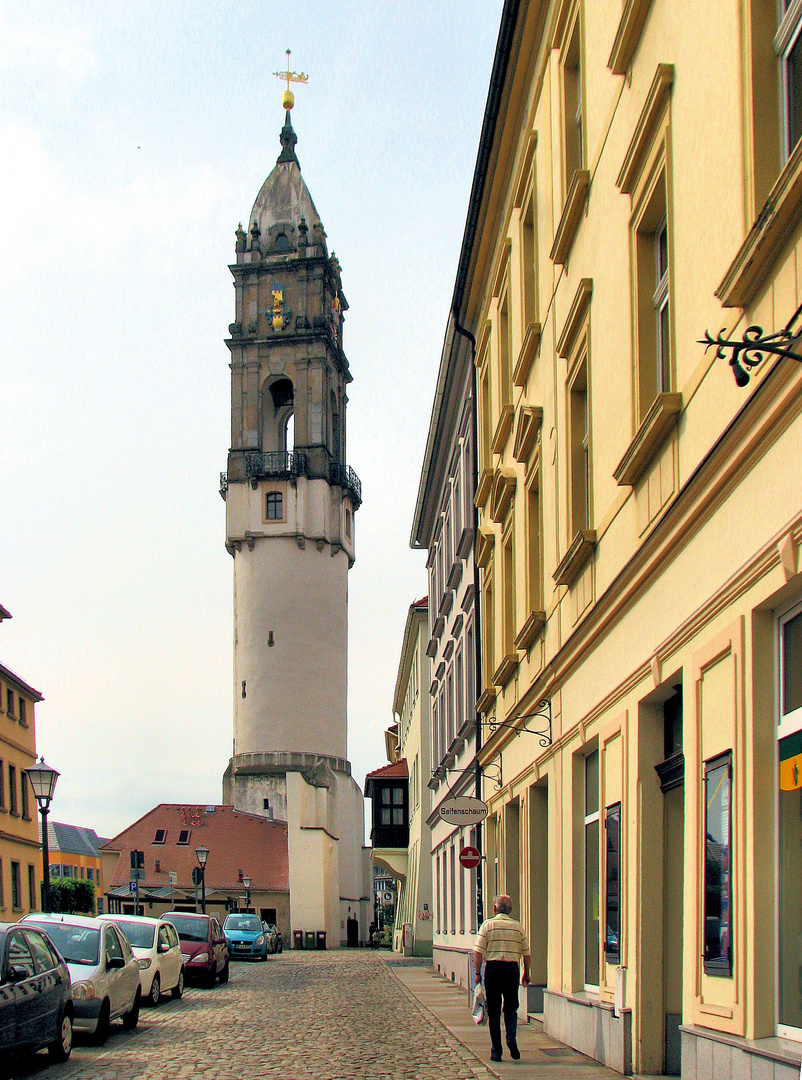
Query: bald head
{"points": [[503, 904]]}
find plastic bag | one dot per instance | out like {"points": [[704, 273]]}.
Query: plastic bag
{"points": [[479, 1010]]}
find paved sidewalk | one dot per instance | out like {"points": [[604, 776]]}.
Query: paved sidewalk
{"points": [[542, 1058]]}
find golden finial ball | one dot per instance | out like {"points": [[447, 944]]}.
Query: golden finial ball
{"points": [[288, 99]]}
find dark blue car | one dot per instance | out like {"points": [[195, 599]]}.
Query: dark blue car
{"points": [[245, 936], [35, 997]]}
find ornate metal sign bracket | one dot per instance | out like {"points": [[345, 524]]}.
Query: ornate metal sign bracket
{"points": [[493, 771], [543, 730], [754, 346]]}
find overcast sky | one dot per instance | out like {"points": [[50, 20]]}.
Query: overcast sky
{"points": [[135, 136]]}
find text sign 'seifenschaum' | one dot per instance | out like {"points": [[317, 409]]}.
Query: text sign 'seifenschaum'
{"points": [[464, 810]]}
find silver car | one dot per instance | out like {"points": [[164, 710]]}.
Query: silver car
{"points": [[103, 970]]}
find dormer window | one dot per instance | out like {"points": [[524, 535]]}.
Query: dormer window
{"points": [[161, 835], [183, 836]]}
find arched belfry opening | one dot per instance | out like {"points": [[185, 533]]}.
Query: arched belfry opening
{"points": [[278, 416]]}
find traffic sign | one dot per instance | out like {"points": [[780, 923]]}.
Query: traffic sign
{"points": [[464, 810], [470, 857], [132, 886], [173, 877]]}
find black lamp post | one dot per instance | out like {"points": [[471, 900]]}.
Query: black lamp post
{"points": [[43, 781], [246, 881], [202, 854]]}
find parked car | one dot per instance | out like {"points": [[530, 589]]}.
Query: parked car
{"points": [[103, 970], [203, 946], [245, 936], [273, 937], [157, 949], [35, 1000]]}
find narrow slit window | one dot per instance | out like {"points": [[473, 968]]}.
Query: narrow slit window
{"points": [[612, 897], [718, 867]]}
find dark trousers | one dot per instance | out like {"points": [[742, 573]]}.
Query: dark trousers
{"points": [[501, 984]]}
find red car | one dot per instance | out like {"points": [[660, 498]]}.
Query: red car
{"points": [[203, 946]]}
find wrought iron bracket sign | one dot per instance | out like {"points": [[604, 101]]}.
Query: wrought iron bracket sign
{"points": [[755, 346], [442, 771], [543, 730]]}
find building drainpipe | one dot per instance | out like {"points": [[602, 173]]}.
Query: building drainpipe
{"points": [[477, 637]]}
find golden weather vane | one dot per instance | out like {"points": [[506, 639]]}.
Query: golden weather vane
{"points": [[288, 98]]}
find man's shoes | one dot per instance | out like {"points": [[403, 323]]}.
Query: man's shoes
{"points": [[495, 1055], [515, 1053]]}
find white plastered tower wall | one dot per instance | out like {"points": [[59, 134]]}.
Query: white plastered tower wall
{"points": [[290, 505]]}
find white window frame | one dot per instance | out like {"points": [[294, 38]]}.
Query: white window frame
{"points": [[788, 31]]}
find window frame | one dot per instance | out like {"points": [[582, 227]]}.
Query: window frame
{"points": [[273, 497], [718, 966], [612, 884], [785, 40], [589, 820]]}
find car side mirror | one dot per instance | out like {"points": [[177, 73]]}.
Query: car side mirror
{"points": [[163, 947], [114, 962]]}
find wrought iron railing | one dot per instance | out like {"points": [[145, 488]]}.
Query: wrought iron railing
{"points": [[276, 463], [344, 476]]}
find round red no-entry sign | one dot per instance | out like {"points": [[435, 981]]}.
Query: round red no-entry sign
{"points": [[469, 857]]}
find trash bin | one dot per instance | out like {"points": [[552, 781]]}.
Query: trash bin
{"points": [[310, 939], [320, 937], [297, 939]]}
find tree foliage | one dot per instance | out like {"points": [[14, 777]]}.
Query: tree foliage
{"points": [[71, 896]]}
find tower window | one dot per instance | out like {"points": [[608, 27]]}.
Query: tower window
{"points": [[274, 506]]}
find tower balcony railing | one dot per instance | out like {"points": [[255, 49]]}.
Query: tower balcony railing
{"points": [[276, 463], [344, 476]]}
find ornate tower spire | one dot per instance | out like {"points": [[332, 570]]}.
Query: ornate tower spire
{"points": [[288, 141]]}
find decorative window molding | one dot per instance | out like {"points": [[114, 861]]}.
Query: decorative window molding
{"points": [[467, 599], [651, 435], [530, 420], [485, 543], [483, 488], [575, 318], [526, 357], [581, 548], [764, 243], [503, 491], [455, 574], [657, 100], [633, 18], [446, 602], [465, 543], [575, 200], [503, 428], [431, 648], [439, 626], [506, 669], [535, 622], [486, 699]]}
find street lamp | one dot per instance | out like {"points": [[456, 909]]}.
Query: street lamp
{"points": [[246, 881], [202, 854], [43, 781]]}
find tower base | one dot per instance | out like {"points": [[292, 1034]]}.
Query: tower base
{"points": [[329, 866]]}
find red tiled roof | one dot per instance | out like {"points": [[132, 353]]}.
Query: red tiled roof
{"points": [[422, 603], [236, 841], [396, 770]]}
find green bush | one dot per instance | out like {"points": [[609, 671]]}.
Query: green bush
{"points": [[72, 896]]}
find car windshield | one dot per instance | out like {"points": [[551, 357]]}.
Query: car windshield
{"points": [[140, 935], [242, 922], [77, 944], [190, 929]]}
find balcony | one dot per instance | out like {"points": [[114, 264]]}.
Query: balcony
{"points": [[345, 477], [285, 465]]}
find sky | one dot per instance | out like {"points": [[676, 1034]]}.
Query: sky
{"points": [[133, 139]]}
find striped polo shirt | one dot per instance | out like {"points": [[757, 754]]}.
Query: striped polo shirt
{"points": [[502, 938]]}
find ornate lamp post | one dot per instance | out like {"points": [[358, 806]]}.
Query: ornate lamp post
{"points": [[246, 881], [43, 781], [202, 854]]}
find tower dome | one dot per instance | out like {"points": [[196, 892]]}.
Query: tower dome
{"points": [[283, 202]]}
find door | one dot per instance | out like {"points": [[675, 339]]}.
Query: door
{"points": [[30, 1005], [51, 978]]}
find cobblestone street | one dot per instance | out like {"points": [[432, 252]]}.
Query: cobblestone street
{"points": [[334, 1015]]}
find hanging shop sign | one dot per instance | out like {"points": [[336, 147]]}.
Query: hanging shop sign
{"points": [[463, 810]]}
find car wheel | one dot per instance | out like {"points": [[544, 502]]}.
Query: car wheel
{"points": [[131, 1018], [224, 973], [178, 989], [155, 995], [61, 1047], [103, 1023]]}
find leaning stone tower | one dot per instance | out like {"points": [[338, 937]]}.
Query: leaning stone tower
{"points": [[290, 505]]}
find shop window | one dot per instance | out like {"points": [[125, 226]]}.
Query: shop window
{"points": [[718, 866], [789, 907], [612, 884], [592, 870], [437, 895], [453, 894]]}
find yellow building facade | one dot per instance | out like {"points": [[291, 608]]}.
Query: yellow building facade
{"points": [[639, 182], [20, 852]]}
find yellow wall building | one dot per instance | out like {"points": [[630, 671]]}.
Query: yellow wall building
{"points": [[639, 182], [20, 852]]}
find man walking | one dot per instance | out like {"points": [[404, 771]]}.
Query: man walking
{"points": [[502, 944]]}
